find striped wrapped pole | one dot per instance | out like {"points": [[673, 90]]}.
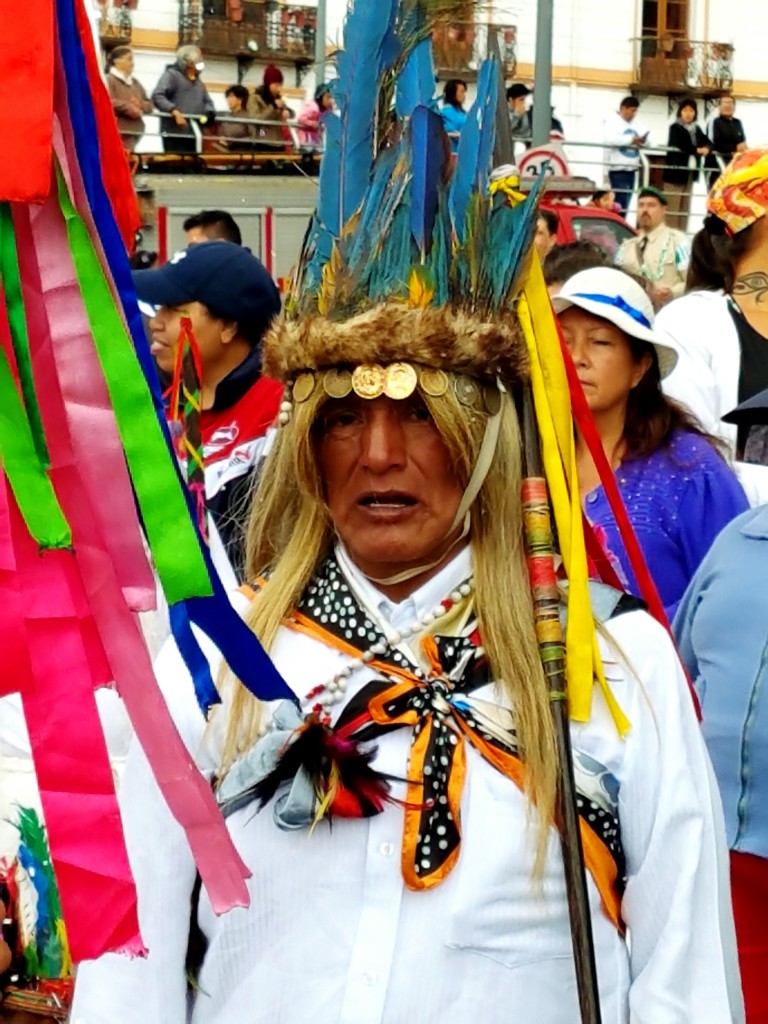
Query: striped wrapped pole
{"points": [[549, 634]]}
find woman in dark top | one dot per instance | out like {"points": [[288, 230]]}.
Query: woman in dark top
{"points": [[686, 140]]}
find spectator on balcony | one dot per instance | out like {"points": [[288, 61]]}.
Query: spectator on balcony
{"points": [[623, 138], [267, 104], [686, 141], [235, 135], [129, 100], [453, 113], [727, 134], [659, 254], [520, 120], [179, 95], [310, 116]]}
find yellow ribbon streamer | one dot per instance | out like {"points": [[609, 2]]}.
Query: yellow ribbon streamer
{"points": [[553, 411]]}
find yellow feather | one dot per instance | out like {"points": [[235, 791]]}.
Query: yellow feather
{"points": [[421, 288], [331, 272]]}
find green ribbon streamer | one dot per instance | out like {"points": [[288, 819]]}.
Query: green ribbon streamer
{"points": [[17, 321], [175, 547], [21, 461]]}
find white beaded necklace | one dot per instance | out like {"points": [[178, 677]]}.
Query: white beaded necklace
{"points": [[322, 697]]}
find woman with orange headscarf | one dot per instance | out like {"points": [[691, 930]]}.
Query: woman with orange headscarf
{"points": [[721, 333]]}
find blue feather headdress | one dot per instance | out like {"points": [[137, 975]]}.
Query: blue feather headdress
{"points": [[398, 221]]}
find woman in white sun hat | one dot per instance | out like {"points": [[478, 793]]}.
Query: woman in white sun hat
{"points": [[678, 490]]}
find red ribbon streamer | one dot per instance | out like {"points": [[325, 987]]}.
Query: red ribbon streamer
{"points": [[115, 172], [26, 31]]}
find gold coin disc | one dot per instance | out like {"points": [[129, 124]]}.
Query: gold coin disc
{"points": [[401, 381], [303, 387], [433, 382], [337, 383], [369, 380]]}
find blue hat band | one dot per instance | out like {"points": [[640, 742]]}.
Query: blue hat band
{"points": [[618, 303]]}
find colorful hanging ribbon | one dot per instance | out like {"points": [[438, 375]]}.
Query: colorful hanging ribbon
{"points": [[553, 413], [184, 409], [175, 548], [26, 82], [26, 473]]}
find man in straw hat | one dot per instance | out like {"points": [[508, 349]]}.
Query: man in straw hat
{"points": [[398, 815]]}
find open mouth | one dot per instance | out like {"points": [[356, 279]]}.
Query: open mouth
{"points": [[387, 501]]}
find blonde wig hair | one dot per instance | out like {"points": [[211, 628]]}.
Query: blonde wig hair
{"points": [[290, 532]]}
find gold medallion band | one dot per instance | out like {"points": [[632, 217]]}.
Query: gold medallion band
{"points": [[397, 381]]}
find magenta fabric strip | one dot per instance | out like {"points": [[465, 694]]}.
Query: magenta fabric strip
{"points": [[16, 676], [74, 775], [49, 283]]}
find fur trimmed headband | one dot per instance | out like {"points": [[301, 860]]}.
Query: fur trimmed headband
{"points": [[442, 338]]}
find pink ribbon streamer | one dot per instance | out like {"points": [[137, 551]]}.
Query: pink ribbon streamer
{"points": [[74, 776], [95, 438], [17, 669], [188, 796]]}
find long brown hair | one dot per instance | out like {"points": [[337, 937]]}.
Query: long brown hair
{"points": [[652, 418]]}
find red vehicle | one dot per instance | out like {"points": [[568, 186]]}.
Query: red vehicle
{"points": [[590, 224], [567, 197]]}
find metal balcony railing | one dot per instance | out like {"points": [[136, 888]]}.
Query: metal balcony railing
{"points": [[459, 49], [668, 65], [115, 26], [274, 31]]}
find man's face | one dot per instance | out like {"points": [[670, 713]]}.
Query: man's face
{"points": [[124, 64], [389, 482], [165, 328], [543, 240], [628, 113], [727, 106], [650, 213], [518, 104]]}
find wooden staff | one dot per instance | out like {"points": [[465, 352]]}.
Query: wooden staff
{"points": [[546, 602]]}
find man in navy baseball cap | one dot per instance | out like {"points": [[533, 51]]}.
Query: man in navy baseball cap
{"points": [[230, 300]]}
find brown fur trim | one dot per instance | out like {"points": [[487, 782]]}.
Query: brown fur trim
{"points": [[443, 338]]}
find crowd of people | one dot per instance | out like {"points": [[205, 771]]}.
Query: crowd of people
{"points": [[678, 472], [255, 120], [363, 466], [689, 149]]}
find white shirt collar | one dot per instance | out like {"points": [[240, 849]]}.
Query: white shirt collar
{"points": [[412, 609], [128, 79]]}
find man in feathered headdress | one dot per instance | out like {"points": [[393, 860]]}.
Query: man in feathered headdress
{"points": [[405, 858]]}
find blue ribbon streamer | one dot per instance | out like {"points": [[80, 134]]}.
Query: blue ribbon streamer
{"points": [[618, 303], [214, 615]]}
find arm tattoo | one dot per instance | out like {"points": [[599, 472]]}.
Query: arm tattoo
{"points": [[752, 284]]}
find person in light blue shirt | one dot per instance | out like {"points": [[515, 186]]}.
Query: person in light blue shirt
{"points": [[453, 113], [722, 632]]}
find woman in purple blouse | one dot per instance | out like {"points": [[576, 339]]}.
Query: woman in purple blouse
{"points": [[677, 488]]}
